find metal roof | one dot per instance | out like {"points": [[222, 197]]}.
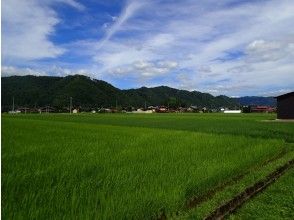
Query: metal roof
{"points": [[286, 94]]}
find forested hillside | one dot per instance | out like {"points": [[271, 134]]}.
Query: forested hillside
{"points": [[87, 93]]}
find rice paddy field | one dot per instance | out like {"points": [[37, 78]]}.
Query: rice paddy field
{"points": [[132, 166]]}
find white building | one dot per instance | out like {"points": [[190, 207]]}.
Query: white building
{"points": [[232, 111]]}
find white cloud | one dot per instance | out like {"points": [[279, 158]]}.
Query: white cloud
{"points": [[73, 3], [168, 64], [235, 50], [275, 93], [141, 69], [14, 71], [260, 50], [204, 69], [52, 71], [160, 40], [230, 46], [240, 69], [26, 27]]}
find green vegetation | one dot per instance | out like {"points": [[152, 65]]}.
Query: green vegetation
{"points": [[124, 166]]}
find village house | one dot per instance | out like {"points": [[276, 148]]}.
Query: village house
{"points": [[261, 109], [162, 109]]}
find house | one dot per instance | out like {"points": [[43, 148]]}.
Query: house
{"points": [[285, 106], [105, 110], [24, 110], [14, 112], [142, 111], [151, 107], [261, 109], [161, 109], [46, 109], [193, 108], [182, 109]]}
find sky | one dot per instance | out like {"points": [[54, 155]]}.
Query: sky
{"points": [[228, 47]]}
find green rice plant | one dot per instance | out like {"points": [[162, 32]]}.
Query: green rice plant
{"points": [[121, 166], [249, 125]]}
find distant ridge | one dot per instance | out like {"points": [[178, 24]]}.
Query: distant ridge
{"points": [[87, 93], [256, 100]]}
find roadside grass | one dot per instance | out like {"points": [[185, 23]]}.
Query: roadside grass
{"points": [[78, 167]]}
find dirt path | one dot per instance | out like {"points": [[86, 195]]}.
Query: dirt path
{"points": [[197, 200], [248, 193]]}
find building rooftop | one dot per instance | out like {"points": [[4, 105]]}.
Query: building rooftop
{"points": [[286, 94]]}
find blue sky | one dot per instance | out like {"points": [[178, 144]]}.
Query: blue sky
{"points": [[230, 47]]}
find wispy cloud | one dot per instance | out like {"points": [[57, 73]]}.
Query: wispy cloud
{"points": [[131, 8], [226, 47], [75, 4], [200, 35]]}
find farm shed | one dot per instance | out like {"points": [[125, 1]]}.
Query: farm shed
{"points": [[285, 106]]}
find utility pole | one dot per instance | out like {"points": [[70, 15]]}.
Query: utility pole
{"points": [[145, 105], [13, 103], [116, 104], [70, 104]]}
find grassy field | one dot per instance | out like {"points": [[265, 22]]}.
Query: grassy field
{"points": [[125, 166]]}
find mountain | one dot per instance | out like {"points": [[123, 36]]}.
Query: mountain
{"points": [[164, 95], [256, 100], [87, 93], [38, 91]]}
